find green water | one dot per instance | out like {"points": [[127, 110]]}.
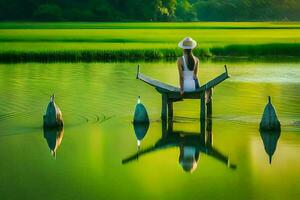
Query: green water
{"points": [[98, 100]]}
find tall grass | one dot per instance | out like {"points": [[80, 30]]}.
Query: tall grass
{"points": [[92, 42], [258, 50], [264, 50], [95, 55]]}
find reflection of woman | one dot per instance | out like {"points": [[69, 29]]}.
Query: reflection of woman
{"points": [[187, 66], [188, 158]]}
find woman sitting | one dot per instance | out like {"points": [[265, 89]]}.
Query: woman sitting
{"points": [[188, 66]]}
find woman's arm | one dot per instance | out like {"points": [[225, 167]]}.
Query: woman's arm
{"points": [[181, 79], [196, 68]]}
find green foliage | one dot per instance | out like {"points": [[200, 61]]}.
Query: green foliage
{"points": [[150, 10], [165, 9], [185, 11], [48, 12]]}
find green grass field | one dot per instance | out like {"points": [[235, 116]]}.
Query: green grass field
{"points": [[159, 40]]}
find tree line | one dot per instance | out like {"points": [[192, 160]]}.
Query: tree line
{"points": [[149, 10]]}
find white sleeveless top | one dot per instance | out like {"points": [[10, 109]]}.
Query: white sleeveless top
{"points": [[188, 78]]}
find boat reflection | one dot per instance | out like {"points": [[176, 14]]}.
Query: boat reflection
{"points": [[140, 130], [270, 139], [53, 137], [191, 144]]}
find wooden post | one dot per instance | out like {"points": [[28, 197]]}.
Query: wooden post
{"points": [[202, 111], [164, 108], [170, 110], [209, 109], [208, 99], [202, 132], [164, 128], [209, 139], [209, 125]]}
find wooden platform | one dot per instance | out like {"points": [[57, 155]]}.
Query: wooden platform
{"points": [[172, 94]]}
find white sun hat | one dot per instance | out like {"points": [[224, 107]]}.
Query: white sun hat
{"points": [[187, 43]]}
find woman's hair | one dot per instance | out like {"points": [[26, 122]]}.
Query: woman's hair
{"points": [[190, 62]]}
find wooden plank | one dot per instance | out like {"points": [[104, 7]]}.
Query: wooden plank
{"points": [[214, 82], [138, 154], [187, 95], [174, 92], [158, 84]]}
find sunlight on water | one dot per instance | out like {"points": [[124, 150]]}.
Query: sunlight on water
{"points": [[268, 73]]}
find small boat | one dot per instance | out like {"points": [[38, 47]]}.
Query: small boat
{"points": [[140, 113], [53, 117], [269, 120]]}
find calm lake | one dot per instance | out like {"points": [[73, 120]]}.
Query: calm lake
{"points": [[98, 101]]}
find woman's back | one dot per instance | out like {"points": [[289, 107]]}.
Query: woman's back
{"points": [[188, 74], [188, 71]]}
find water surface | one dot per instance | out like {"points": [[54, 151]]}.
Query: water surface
{"points": [[97, 101]]}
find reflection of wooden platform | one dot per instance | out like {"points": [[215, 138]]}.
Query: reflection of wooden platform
{"points": [[201, 142], [171, 93]]}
